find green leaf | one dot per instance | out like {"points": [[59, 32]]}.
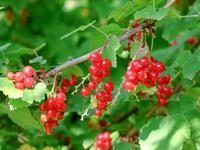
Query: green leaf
{"points": [[38, 59], [122, 11], [181, 59], [122, 145], [40, 91], [114, 136], [17, 103], [5, 46], [37, 94], [23, 118], [81, 28], [159, 134], [190, 68], [151, 13], [75, 69], [111, 50], [7, 87]]}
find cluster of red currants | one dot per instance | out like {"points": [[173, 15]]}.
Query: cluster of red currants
{"points": [[134, 24], [147, 72], [103, 141], [99, 69], [66, 83], [53, 110], [22, 79], [103, 98]]}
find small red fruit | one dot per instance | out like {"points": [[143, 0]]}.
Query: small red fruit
{"points": [[19, 85], [28, 71], [109, 86], [28, 82], [85, 91], [19, 77], [10, 76], [95, 57]]}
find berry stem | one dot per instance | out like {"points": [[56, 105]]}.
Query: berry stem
{"points": [[80, 84], [99, 30], [51, 94], [86, 111], [118, 93]]}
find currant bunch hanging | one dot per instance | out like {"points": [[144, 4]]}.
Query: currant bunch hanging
{"points": [[103, 141], [52, 111], [147, 71], [22, 79]]}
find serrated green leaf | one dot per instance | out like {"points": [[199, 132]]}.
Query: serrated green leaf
{"points": [[181, 59], [122, 145], [17, 103], [81, 28], [28, 96], [190, 68], [151, 13], [111, 50], [40, 90], [8, 89], [123, 11], [170, 132], [23, 118]]}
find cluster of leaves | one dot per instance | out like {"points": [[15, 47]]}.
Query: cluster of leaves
{"points": [[29, 35]]}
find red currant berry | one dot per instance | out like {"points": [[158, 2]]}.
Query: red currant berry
{"points": [[163, 101], [10, 76], [51, 103], [107, 96], [105, 73], [19, 77], [142, 75], [192, 40], [28, 82], [168, 91], [101, 105], [98, 112], [95, 70], [28, 71], [92, 85], [145, 62], [95, 57], [19, 85], [159, 67], [106, 136], [43, 118], [130, 75], [102, 123], [105, 64], [60, 97], [99, 144], [96, 79], [136, 65], [167, 78], [109, 86], [42, 107], [85, 91], [51, 113], [100, 96], [127, 85]]}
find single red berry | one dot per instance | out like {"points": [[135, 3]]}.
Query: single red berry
{"points": [[136, 65], [130, 75], [51, 113], [19, 77], [163, 101], [92, 85], [100, 96], [96, 79], [105, 64], [107, 145], [168, 91], [99, 144], [107, 96], [145, 61], [109, 86], [43, 118], [102, 123], [98, 112], [106, 136], [173, 43], [192, 40], [95, 70], [167, 78], [95, 57], [19, 85], [60, 97], [28, 82], [10, 76], [28, 71], [161, 80], [90, 124], [142, 75], [85, 91], [159, 67], [127, 85], [101, 105], [50, 103], [105, 73], [42, 107]]}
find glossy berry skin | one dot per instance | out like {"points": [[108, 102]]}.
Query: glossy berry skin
{"points": [[163, 101], [28, 71], [127, 85], [60, 97], [105, 64], [95, 57], [28, 82], [19, 85], [98, 112], [19, 77], [192, 40], [43, 118], [92, 85], [10, 76], [95, 70], [109, 86], [85, 91]]}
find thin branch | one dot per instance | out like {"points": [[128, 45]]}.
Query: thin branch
{"points": [[83, 58], [169, 3]]}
